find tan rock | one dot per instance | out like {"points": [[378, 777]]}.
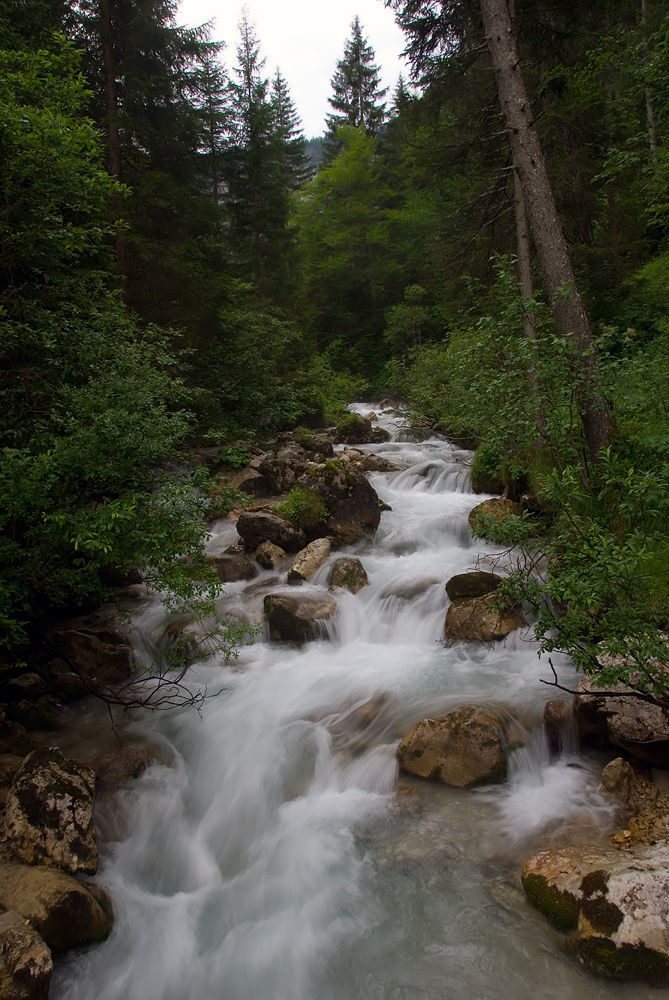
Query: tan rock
{"points": [[557, 713], [348, 572], [270, 555], [66, 912], [476, 619], [615, 904], [124, 762], [498, 508], [643, 808], [474, 584], [307, 561], [50, 812], [640, 727], [463, 748], [295, 617], [25, 960], [258, 526]]}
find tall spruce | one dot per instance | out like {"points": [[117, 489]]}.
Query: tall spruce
{"points": [[357, 97]]}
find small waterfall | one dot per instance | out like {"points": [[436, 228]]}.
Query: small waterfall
{"points": [[275, 861]]}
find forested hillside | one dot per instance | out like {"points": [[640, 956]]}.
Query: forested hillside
{"points": [[176, 274]]}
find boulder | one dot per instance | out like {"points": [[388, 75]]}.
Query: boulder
{"points": [[353, 429], [295, 617], [269, 555], [642, 807], [476, 619], [557, 715], [281, 471], [9, 765], [50, 812], [352, 503], [474, 584], [14, 739], [25, 960], [118, 765], [101, 654], [378, 435], [307, 561], [66, 912], [347, 572], [498, 507], [640, 727], [230, 569], [614, 903], [463, 748], [258, 526]]}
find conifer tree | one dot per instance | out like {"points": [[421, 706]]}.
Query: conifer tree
{"points": [[356, 92]]}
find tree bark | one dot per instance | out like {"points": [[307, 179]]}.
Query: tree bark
{"points": [[650, 110], [569, 312]]}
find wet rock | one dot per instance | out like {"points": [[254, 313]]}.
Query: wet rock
{"points": [[614, 903], [463, 748], [475, 618], [406, 590], [281, 471], [498, 508], [353, 429], [102, 654], [371, 416], [230, 569], [258, 526], [269, 555], [262, 586], [352, 503], [643, 808], [557, 714], [182, 643], [9, 765], [295, 617], [119, 764], [44, 713], [66, 912], [249, 480], [14, 739], [474, 584], [378, 435], [347, 572], [309, 560], [25, 960], [50, 812], [640, 727]]}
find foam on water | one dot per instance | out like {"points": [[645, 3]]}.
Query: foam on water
{"points": [[272, 862]]}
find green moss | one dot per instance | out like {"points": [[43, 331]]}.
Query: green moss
{"points": [[331, 470], [305, 508], [627, 962], [304, 437], [561, 908], [353, 428], [486, 471]]}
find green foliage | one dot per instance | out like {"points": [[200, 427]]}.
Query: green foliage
{"points": [[304, 437], [305, 508], [233, 457], [486, 472]]}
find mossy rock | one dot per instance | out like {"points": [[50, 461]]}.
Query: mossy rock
{"points": [[559, 907], [353, 429], [628, 961]]}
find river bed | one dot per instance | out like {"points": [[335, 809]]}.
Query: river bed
{"points": [[274, 860]]}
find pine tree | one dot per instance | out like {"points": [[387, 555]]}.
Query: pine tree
{"points": [[356, 98], [294, 159]]}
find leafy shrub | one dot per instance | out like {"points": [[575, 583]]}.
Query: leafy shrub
{"points": [[304, 437], [305, 508], [486, 473], [234, 458]]}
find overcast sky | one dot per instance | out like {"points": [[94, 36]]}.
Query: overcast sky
{"points": [[305, 38]]}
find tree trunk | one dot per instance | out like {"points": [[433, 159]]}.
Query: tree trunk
{"points": [[113, 137], [569, 312], [650, 110]]}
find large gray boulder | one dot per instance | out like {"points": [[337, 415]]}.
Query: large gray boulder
{"points": [[50, 812], [347, 571], [66, 912], [307, 561], [476, 619], [640, 727], [258, 526], [282, 470], [614, 903], [296, 617], [25, 960], [351, 502], [463, 749]]}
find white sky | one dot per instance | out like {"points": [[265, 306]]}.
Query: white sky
{"points": [[305, 38]]}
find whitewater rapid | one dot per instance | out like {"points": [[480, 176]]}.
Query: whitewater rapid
{"points": [[272, 858]]}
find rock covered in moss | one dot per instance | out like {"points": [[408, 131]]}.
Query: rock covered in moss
{"points": [[295, 617], [498, 508], [477, 619], [307, 561], [474, 584], [25, 960], [351, 503], [282, 470], [258, 526], [50, 812], [353, 429], [463, 749], [614, 903], [347, 571], [66, 912]]}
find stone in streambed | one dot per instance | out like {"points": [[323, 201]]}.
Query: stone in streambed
{"points": [[557, 716], [269, 555], [232, 568], [309, 560], [118, 765], [25, 960], [350, 500], [348, 572], [498, 508], [637, 726], [66, 912], [258, 526], [614, 903], [474, 584], [295, 617], [463, 749], [50, 812], [475, 619]]}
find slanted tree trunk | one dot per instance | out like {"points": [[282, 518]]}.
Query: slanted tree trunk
{"points": [[569, 312]]}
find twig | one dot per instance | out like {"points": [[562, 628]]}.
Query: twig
{"points": [[603, 692]]}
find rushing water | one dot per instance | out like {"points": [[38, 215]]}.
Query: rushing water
{"points": [[273, 859]]}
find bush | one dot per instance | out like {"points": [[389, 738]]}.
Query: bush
{"points": [[305, 508], [486, 472]]}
